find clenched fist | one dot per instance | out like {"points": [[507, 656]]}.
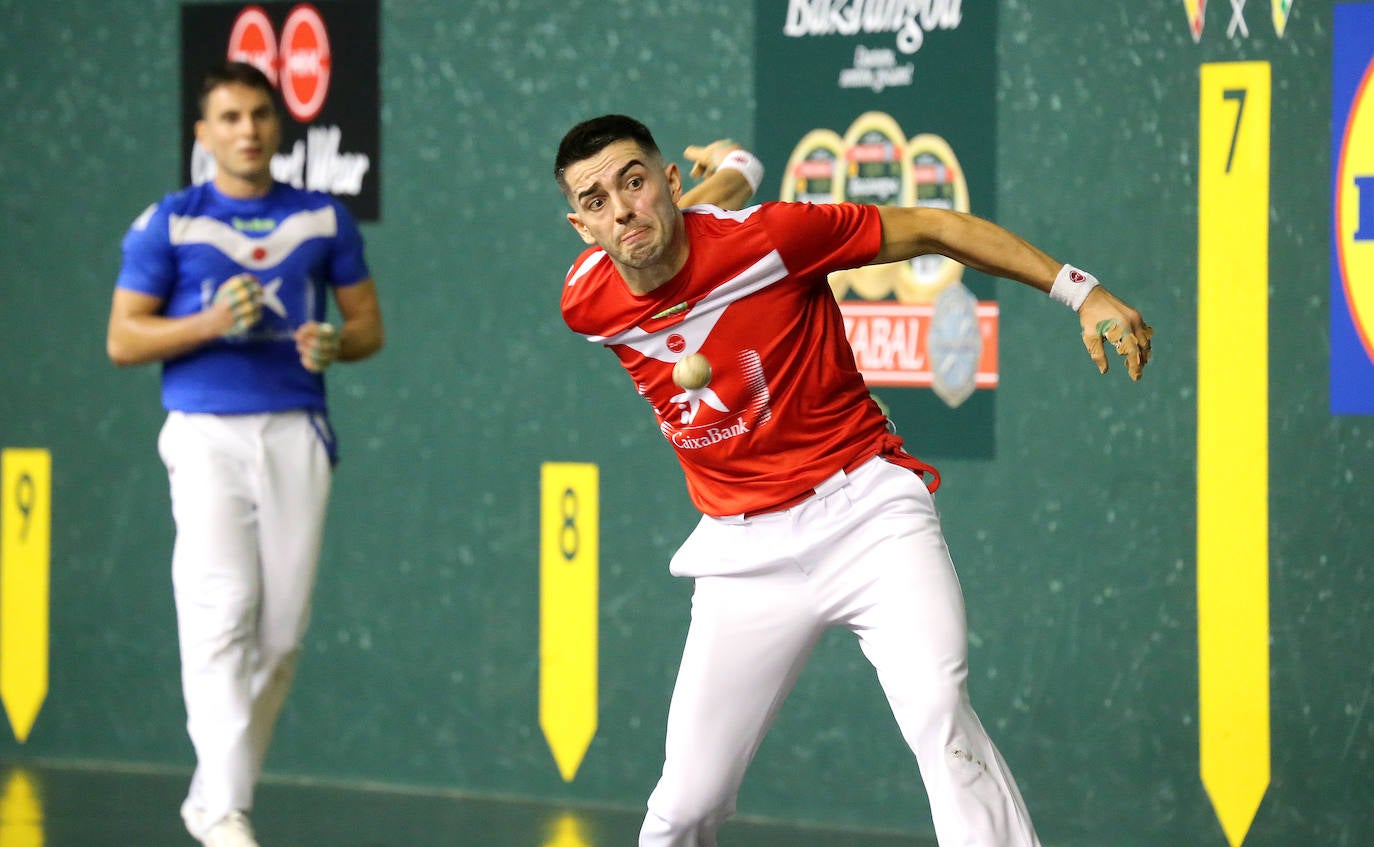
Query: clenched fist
{"points": [[318, 344], [239, 298]]}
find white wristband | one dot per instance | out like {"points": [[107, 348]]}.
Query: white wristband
{"points": [[1071, 286], [746, 163]]}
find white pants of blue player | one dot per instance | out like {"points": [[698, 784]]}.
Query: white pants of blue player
{"points": [[249, 494], [866, 553]]}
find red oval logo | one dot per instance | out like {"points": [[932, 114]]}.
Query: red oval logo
{"points": [[677, 343], [305, 62], [253, 40]]}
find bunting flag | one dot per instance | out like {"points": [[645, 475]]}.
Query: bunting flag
{"points": [[1281, 10], [1197, 10]]}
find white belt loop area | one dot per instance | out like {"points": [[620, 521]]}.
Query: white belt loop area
{"points": [[836, 481]]}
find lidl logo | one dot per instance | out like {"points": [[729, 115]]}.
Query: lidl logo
{"points": [[1352, 211]]}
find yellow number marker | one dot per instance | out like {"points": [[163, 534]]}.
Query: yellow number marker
{"points": [[1233, 440], [21, 812], [25, 521], [566, 832], [568, 563]]}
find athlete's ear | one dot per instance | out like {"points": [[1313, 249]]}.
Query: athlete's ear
{"points": [[581, 230], [200, 131], [674, 177]]}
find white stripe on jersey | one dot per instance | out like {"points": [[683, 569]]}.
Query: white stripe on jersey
{"points": [[718, 212], [702, 318], [273, 248], [587, 265], [141, 222]]}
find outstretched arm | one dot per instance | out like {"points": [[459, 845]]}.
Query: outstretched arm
{"points": [[911, 231], [729, 175], [982, 245]]}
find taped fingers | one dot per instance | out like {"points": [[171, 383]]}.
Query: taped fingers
{"points": [[241, 288], [706, 159], [1145, 333], [324, 348], [1133, 345], [1094, 345], [243, 295]]}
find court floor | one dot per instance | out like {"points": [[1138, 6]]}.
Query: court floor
{"points": [[51, 804]]}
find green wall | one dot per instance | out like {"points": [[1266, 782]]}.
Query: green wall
{"points": [[1075, 544]]}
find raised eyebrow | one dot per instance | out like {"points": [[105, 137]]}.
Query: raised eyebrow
{"points": [[596, 187]]}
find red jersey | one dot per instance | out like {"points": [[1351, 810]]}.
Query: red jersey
{"points": [[785, 407]]}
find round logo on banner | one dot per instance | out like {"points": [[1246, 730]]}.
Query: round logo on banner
{"points": [[875, 148], [815, 174], [305, 63], [956, 344], [253, 41], [1354, 211], [875, 159], [937, 181], [813, 171]]}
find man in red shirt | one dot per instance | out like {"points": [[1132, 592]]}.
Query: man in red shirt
{"points": [[813, 514]]}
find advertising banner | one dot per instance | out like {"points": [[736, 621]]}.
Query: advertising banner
{"points": [[1352, 210], [894, 104], [323, 59]]}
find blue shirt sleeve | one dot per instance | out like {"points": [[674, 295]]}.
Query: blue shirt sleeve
{"points": [[149, 263], [347, 265]]}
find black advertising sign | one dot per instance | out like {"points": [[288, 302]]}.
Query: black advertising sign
{"points": [[323, 58], [894, 104]]}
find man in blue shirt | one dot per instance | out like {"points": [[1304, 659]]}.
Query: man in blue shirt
{"points": [[226, 284]]}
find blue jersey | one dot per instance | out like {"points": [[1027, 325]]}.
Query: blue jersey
{"points": [[299, 244]]}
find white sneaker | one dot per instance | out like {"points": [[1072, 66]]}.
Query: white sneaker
{"points": [[233, 830]]}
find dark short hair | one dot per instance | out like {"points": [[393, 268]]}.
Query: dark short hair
{"points": [[590, 137], [226, 73]]}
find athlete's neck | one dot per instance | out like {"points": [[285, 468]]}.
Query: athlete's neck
{"points": [[243, 188], [647, 279], [642, 283]]}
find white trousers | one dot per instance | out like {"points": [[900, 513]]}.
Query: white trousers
{"points": [[248, 496], [865, 553]]}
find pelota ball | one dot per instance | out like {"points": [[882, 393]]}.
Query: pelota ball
{"points": [[692, 371]]}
